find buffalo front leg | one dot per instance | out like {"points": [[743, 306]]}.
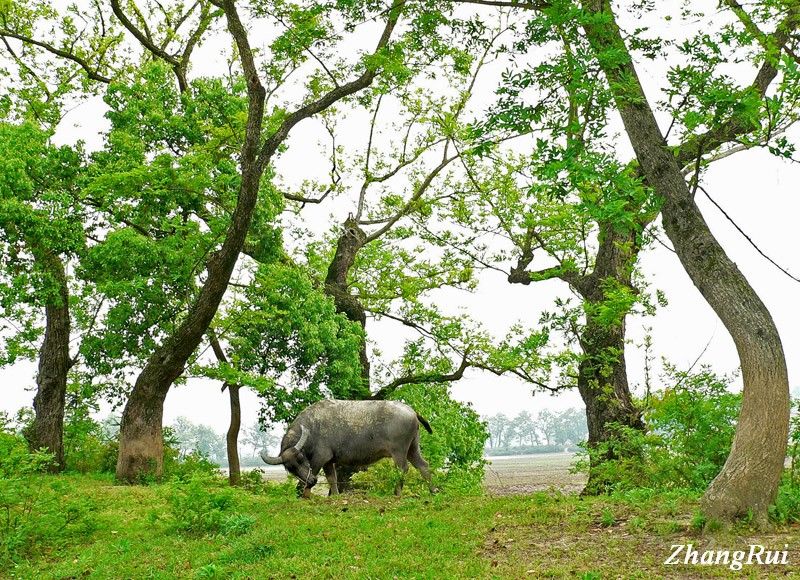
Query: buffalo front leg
{"points": [[330, 475]]}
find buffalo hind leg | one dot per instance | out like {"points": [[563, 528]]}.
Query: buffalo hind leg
{"points": [[416, 459], [330, 475], [402, 464]]}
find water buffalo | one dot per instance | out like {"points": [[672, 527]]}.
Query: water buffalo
{"points": [[353, 433]]}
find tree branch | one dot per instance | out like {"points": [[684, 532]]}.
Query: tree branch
{"points": [[90, 72], [422, 378], [273, 142]]}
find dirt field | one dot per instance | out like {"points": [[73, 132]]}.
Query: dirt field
{"points": [[505, 475], [519, 474]]}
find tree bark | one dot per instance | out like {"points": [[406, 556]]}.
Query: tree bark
{"points": [[47, 430], [232, 437], [748, 482]]}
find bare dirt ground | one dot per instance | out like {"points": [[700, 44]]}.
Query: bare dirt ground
{"points": [[523, 474], [505, 475]]}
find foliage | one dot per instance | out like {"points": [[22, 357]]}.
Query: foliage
{"points": [[41, 226], [201, 506], [88, 446], [787, 505], [283, 327], [182, 466], [690, 427], [34, 511]]}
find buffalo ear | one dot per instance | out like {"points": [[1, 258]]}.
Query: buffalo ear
{"points": [[271, 460]]}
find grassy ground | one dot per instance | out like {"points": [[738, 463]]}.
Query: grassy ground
{"points": [[545, 534]]}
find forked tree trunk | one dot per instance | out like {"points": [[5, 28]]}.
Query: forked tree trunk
{"points": [[602, 375], [350, 241], [47, 430], [748, 482]]}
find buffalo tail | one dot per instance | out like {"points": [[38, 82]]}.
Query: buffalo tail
{"points": [[424, 422]]}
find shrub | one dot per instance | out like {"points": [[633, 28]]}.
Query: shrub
{"points": [[186, 467], [199, 506], [690, 428], [35, 510], [787, 504], [88, 448]]}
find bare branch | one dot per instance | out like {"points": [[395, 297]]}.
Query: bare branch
{"points": [[422, 378]]}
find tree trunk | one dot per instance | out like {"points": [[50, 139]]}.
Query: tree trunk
{"points": [[748, 482], [603, 386], [602, 375], [350, 242], [47, 430], [232, 438]]}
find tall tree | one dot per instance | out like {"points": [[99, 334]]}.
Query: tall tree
{"points": [[41, 229], [713, 112], [141, 446], [717, 118], [748, 483]]}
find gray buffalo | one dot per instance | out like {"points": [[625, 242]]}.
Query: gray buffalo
{"points": [[352, 433]]}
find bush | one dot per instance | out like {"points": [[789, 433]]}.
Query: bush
{"points": [[454, 451], [184, 468], [35, 509], [787, 505], [199, 506], [88, 448], [690, 428]]}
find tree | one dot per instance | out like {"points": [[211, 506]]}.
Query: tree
{"points": [[202, 439], [497, 424], [41, 229], [371, 272], [748, 483], [141, 445], [712, 112], [257, 438], [524, 428]]}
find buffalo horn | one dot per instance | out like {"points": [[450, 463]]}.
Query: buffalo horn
{"points": [[271, 460], [302, 440]]}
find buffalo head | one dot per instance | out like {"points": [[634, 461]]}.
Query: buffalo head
{"points": [[294, 460]]}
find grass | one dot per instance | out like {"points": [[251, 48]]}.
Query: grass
{"points": [[544, 534]]}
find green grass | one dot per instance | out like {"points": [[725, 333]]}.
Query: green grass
{"points": [[134, 535]]}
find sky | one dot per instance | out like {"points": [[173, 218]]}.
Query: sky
{"points": [[757, 190]]}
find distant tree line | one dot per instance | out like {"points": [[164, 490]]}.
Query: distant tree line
{"points": [[188, 437], [547, 430]]}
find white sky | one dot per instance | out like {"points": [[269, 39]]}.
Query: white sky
{"points": [[759, 191]]}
